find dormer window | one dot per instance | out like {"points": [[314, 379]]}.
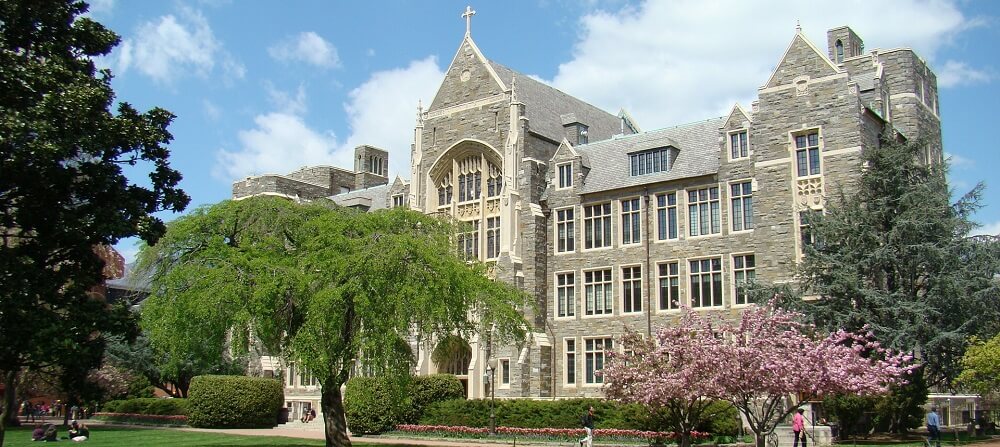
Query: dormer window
{"points": [[648, 162], [565, 175], [840, 51], [581, 134]]}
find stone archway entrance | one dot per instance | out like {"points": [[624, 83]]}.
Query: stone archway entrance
{"points": [[452, 355]]}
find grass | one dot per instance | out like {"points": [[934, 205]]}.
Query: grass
{"points": [[156, 437]]}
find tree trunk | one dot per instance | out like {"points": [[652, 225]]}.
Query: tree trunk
{"points": [[761, 439], [334, 417], [9, 401], [685, 440]]}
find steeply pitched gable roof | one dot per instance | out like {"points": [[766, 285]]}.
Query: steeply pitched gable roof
{"points": [[698, 155], [801, 58], [545, 105]]}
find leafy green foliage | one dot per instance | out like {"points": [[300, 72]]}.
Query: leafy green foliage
{"points": [[893, 256], [62, 189], [375, 405], [319, 285], [148, 405], [426, 390], [851, 412], [565, 413], [171, 369], [234, 402], [981, 367], [902, 409]]}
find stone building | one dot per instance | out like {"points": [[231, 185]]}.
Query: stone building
{"points": [[608, 226]]}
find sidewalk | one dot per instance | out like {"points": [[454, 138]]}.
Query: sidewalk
{"points": [[319, 434]]}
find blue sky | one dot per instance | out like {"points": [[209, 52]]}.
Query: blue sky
{"points": [[268, 87]]}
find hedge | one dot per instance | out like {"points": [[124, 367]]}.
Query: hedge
{"points": [[566, 413], [143, 419], [147, 405], [234, 402], [376, 405]]}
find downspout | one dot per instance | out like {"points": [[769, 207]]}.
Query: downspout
{"points": [[649, 267]]}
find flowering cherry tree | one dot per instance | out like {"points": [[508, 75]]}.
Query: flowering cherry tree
{"points": [[672, 374], [756, 362]]}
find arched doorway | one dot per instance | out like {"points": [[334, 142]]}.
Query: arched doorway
{"points": [[452, 355]]}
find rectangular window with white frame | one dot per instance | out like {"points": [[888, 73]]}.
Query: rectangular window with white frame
{"points": [[594, 350], [738, 145], [706, 282], [565, 176], [666, 216], [565, 294], [504, 365], [744, 272], [597, 226], [670, 285], [468, 241], [599, 292], [631, 221], [703, 212], [632, 289], [492, 237], [807, 154], [565, 230], [570, 362], [806, 233], [398, 200], [741, 205]]}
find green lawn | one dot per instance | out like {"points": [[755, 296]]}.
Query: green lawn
{"points": [[155, 437]]}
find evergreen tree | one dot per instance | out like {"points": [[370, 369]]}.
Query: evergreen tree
{"points": [[893, 256]]}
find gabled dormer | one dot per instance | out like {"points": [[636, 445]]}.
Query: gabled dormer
{"points": [[566, 167], [736, 135]]}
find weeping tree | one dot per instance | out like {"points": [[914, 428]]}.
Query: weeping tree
{"points": [[329, 288]]}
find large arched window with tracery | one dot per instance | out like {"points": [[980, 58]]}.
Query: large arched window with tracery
{"points": [[469, 182]]}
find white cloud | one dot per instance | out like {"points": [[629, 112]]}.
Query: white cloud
{"points": [[380, 112], [992, 228], [958, 161], [679, 61], [211, 111], [170, 47], [383, 110], [306, 47], [955, 73], [285, 102], [279, 143]]}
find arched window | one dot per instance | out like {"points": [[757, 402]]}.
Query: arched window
{"points": [[840, 51]]}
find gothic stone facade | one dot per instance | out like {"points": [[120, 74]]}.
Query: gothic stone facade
{"points": [[607, 226]]}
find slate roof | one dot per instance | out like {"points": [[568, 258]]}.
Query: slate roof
{"points": [[545, 105], [698, 155], [374, 197], [866, 81]]}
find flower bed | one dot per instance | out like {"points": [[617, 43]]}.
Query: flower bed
{"points": [[546, 433], [142, 419]]}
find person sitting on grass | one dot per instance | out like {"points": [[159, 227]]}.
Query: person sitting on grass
{"points": [[82, 434], [51, 433], [38, 434], [74, 429]]}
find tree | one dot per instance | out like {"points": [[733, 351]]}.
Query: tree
{"points": [[672, 377], [981, 367], [171, 368], [329, 288], [892, 254], [755, 363], [62, 190]]}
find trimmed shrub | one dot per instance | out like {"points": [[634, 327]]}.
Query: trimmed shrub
{"points": [[561, 414], [426, 390], [142, 419], [234, 402], [147, 405], [376, 405]]}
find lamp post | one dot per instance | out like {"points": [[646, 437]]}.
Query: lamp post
{"points": [[491, 368]]}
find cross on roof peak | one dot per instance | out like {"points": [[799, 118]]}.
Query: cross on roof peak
{"points": [[469, 12]]}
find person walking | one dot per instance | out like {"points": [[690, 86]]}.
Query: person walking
{"points": [[933, 428], [799, 428], [588, 425]]}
